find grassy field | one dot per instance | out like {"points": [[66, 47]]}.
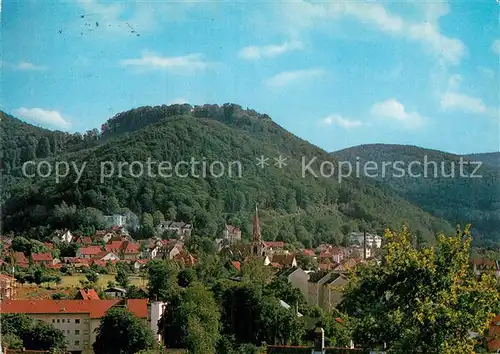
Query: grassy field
{"points": [[74, 280]]}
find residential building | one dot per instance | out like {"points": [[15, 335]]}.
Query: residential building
{"points": [[232, 234], [87, 294], [20, 259], [42, 258], [493, 337], [88, 252], [372, 241], [298, 278], [115, 292], [179, 228], [272, 247], [285, 260], [480, 266], [115, 220], [8, 286], [62, 236], [77, 319]]}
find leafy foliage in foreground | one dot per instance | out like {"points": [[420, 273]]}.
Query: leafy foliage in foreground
{"points": [[120, 332], [20, 331], [304, 210], [421, 300]]}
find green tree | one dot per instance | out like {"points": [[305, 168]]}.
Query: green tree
{"points": [[421, 299], [162, 279], [34, 334], [193, 320], [186, 277], [158, 218], [122, 277], [92, 276], [120, 332]]}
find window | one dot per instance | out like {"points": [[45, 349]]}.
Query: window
{"points": [[77, 320], [77, 342], [77, 331], [58, 320], [63, 320], [85, 332], [68, 320], [67, 331], [53, 321]]}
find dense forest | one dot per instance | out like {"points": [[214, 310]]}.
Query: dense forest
{"points": [[304, 210], [441, 191]]}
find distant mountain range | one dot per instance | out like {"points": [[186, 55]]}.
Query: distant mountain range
{"points": [[458, 199], [489, 158]]}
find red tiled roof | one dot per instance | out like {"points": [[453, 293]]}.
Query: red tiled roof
{"points": [[325, 266], [49, 245], [90, 250], [130, 248], [99, 263], [20, 258], [84, 240], [54, 266], [138, 307], [272, 244], [308, 252], [236, 265], [89, 294], [142, 261], [113, 246], [40, 257], [275, 265], [95, 308]]}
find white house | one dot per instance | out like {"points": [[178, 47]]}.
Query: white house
{"points": [[115, 220], [63, 237], [372, 241]]}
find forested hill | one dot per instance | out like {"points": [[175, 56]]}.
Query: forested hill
{"points": [[458, 199], [491, 159], [307, 210]]}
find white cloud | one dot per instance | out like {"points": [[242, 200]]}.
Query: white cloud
{"points": [[455, 100], [184, 63], [24, 65], [177, 101], [42, 116], [454, 82], [395, 111], [302, 15], [269, 51], [342, 122], [289, 77], [451, 50], [461, 102], [496, 46]]}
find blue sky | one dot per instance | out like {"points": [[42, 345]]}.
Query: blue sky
{"points": [[337, 74]]}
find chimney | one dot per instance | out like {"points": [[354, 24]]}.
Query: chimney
{"points": [[319, 341], [364, 244]]}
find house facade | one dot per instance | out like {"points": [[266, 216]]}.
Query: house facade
{"points": [[77, 319]]}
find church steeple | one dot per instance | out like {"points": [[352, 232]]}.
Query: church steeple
{"points": [[256, 226], [256, 240]]}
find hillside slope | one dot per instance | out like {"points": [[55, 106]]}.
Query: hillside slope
{"points": [[491, 159], [294, 207], [458, 199]]}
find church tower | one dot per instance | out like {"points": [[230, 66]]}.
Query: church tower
{"points": [[256, 240]]}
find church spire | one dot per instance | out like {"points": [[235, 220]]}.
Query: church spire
{"points": [[256, 226]]}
